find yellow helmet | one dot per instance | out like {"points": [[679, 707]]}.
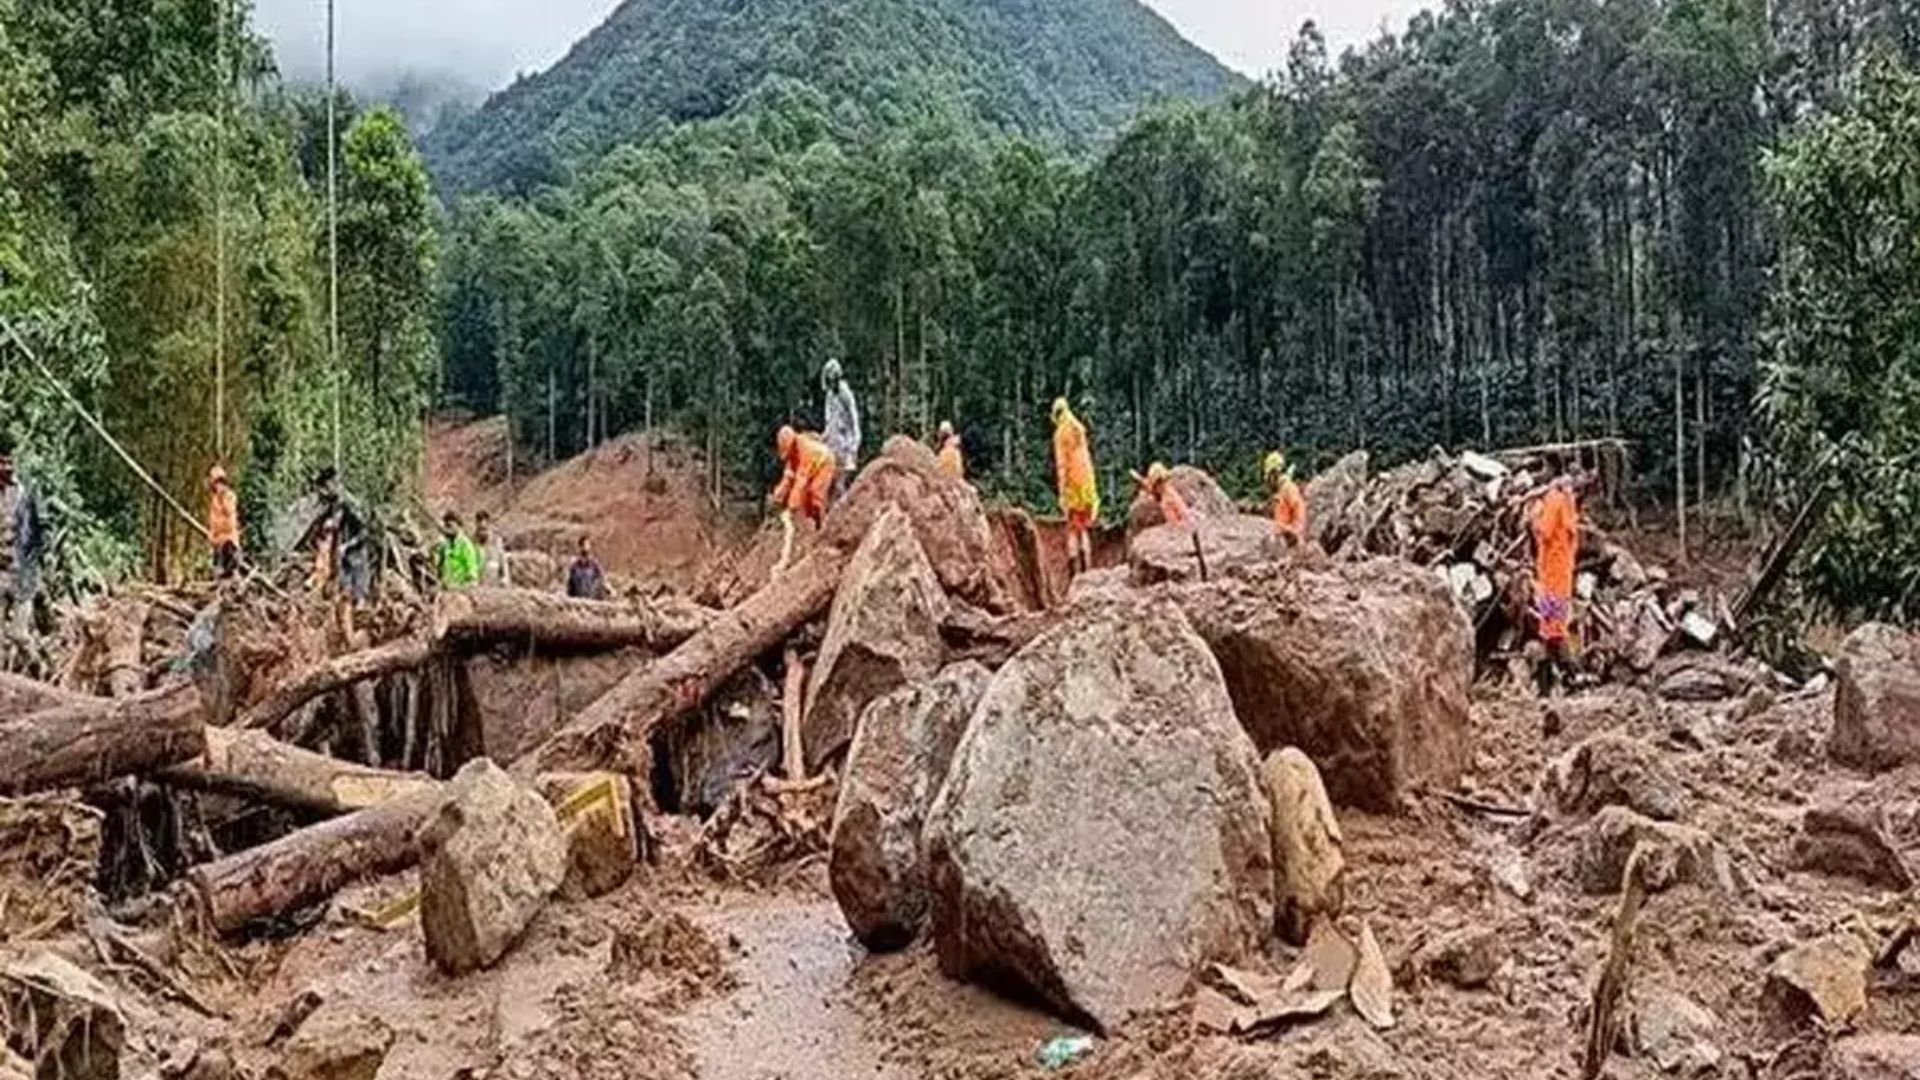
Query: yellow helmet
{"points": [[1157, 476], [1061, 410], [1274, 466]]}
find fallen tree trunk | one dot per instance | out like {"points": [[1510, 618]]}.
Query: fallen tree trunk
{"points": [[403, 654], [20, 695], [85, 741], [614, 730], [308, 866], [254, 765], [480, 617]]}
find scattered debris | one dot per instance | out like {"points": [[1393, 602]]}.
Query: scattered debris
{"points": [[49, 853], [1875, 1056], [1056, 1054], [766, 824], [61, 1018], [673, 946]]}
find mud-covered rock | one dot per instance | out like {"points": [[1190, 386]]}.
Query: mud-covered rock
{"points": [[1874, 1056], [883, 634], [1849, 841], [60, 1018], [1824, 979], [899, 760], [1676, 1034], [1365, 669], [1102, 834], [1309, 866], [1468, 958], [946, 515], [1229, 544], [1204, 496], [493, 856], [1876, 700], [335, 1044], [1612, 769], [1676, 854], [1329, 494]]}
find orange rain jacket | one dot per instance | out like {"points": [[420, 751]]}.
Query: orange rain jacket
{"points": [[1073, 472], [1290, 510], [952, 463], [808, 479], [223, 517], [1556, 543]]}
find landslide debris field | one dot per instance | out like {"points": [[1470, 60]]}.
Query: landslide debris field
{"points": [[920, 807]]}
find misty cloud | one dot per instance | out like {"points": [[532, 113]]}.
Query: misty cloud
{"points": [[485, 43]]}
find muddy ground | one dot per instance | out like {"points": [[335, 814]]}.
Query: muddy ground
{"points": [[678, 975]]}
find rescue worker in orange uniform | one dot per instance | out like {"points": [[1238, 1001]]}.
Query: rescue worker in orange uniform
{"points": [[1289, 508], [223, 524], [1555, 519], [1158, 484], [1074, 480], [952, 462], [805, 483]]}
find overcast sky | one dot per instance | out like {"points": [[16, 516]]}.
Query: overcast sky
{"points": [[488, 41]]}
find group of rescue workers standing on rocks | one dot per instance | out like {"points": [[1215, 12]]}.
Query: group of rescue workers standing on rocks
{"points": [[815, 470], [818, 468]]}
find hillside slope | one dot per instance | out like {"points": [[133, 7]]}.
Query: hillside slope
{"points": [[1059, 70]]}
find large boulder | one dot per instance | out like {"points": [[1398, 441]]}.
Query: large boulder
{"points": [[1102, 834], [1309, 866], [1230, 543], [1850, 841], [1365, 668], [60, 1018], [493, 856], [899, 760], [883, 634], [518, 701], [1330, 493], [946, 516], [1876, 700], [1204, 496]]}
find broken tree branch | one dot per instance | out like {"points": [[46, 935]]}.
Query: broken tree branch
{"points": [[481, 617], [403, 654], [1603, 1027], [793, 754]]}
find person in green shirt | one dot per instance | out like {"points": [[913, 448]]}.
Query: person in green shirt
{"points": [[459, 556]]}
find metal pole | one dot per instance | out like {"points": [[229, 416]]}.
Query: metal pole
{"points": [[333, 242], [220, 238]]}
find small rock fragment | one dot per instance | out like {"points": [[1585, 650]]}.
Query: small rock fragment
{"points": [[1676, 1034], [495, 854], [1676, 854], [1309, 867], [1372, 986], [1826, 978], [1849, 841], [1612, 770], [1467, 958], [1331, 956], [335, 1044]]}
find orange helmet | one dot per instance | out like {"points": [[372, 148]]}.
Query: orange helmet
{"points": [[783, 442]]}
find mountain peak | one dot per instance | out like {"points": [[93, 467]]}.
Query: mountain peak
{"points": [[1060, 71]]}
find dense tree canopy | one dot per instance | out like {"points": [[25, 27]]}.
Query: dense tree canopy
{"points": [[163, 253]]}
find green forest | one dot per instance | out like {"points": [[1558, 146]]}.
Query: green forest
{"points": [[1690, 224]]}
